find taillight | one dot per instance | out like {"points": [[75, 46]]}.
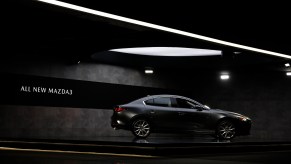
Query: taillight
{"points": [[118, 109]]}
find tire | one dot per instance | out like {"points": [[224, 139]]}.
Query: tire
{"points": [[225, 130], [141, 128]]}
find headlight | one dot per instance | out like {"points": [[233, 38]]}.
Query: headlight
{"points": [[243, 118]]}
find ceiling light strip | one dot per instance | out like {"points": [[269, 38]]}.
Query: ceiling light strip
{"points": [[162, 28]]}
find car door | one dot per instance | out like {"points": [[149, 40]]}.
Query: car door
{"points": [[163, 115], [192, 116]]}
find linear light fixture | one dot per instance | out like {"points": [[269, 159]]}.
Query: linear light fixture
{"points": [[288, 73], [224, 77], [162, 28], [168, 51], [149, 71]]}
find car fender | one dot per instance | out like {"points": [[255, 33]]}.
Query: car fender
{"points": [[141, 116]]}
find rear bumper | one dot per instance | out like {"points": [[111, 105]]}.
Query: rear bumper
{"points": [[117, 124]]}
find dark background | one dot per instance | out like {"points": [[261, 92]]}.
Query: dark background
{"points": [[42, 44]]}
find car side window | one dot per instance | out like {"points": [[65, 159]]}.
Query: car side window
{"points": [[181, 103], [162, 101], [149, 102], [174, 103]]}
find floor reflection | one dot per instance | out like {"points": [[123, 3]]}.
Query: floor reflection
{"points": [[179, 140], [173, 138], [160, 139]]}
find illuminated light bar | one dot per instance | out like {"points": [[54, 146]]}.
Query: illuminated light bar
{"points": [[288, 73], [162, 28], [168, 51], [287, 65], [149, 71], [224, 77]]}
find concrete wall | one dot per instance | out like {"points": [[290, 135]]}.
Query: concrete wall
{"points": [[56, 123], [263, 96], [87, 71], [67, 123]]}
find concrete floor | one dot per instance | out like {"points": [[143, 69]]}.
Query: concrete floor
{"points": [[62, 158]]}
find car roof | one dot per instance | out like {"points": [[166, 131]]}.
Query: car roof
{"points": [[163, 95]]}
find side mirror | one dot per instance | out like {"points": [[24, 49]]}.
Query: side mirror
{"points": [[199, 108], [206, 106]]}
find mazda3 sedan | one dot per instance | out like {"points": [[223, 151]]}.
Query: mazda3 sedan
{"points": [[174, 114]]}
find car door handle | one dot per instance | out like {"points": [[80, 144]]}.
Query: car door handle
{"points": [[152, 112], [181, 113]]}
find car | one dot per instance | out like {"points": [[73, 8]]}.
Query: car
{"points": [[176, 114]]}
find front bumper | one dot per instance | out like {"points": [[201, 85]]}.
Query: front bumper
{"points": [[244, 127]]}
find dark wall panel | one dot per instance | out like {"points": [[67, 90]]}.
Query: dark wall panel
{"points": [[56, 92], [39, 122], [264, 96]]}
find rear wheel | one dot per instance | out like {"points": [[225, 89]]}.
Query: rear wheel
{"points": [[141, 128], [226, 130]]}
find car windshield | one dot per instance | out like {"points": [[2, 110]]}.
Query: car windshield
{"points": [[191, 104], [195, 104]]}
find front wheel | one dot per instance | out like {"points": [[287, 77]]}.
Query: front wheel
{"points": [[225, 130], [141, 128]]}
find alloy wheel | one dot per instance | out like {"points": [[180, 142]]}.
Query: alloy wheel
{"points": [[141, 128], [226, 130]]}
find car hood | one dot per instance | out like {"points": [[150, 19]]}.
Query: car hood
{"points": [[227, 112]]}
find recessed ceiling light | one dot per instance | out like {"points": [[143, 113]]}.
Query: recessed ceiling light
{"points": [[149, 71], [162, 28], [168, 51], [287, 65], [224, 77], [288, 73]]}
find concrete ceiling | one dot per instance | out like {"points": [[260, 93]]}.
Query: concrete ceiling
{"points": [[39, 29]]}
